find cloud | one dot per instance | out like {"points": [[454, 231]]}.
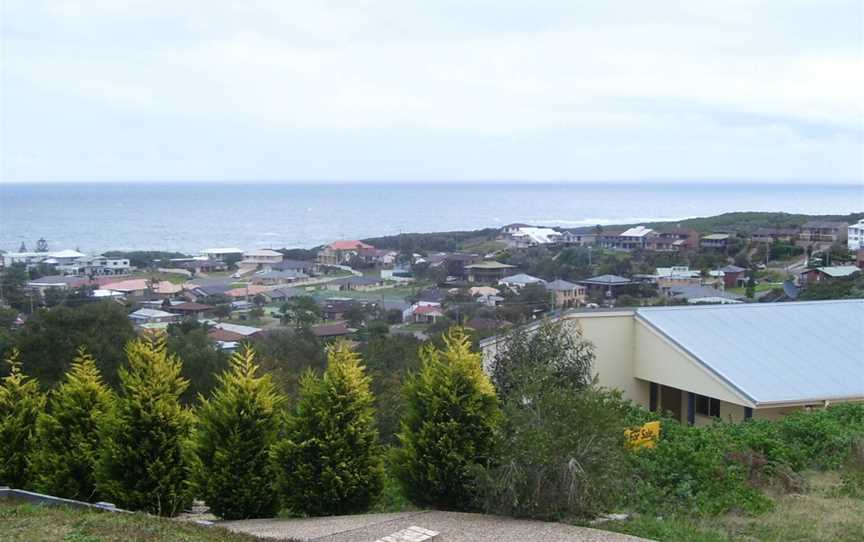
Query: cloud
{"points": [[421, 90]]}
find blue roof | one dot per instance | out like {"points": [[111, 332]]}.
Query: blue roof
{"points": [[773, 352]]}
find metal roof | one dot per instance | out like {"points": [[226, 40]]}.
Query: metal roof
{"points": [[773, 353]]}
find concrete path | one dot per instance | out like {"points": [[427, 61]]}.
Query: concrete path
{"points": [[453, 526]]}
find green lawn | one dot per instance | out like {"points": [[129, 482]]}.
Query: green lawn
{"points": [[818, 515], [35, 523], [760, 287]]}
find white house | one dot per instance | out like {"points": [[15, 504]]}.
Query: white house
{"points": [[855, 237], [261, 257]]}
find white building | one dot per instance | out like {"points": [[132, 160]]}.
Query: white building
{"points": [[261, 257], [222, 253], [531, 236], [855, 237]]}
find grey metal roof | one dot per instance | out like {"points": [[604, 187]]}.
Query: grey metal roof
{"points": [[560, 285], [691, 291], [773, 352], [607, 280]]}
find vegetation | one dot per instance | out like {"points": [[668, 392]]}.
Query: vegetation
{"points": [[144, 461], [67, 434], [330, 461], [449, 426], [34, 523], [20, 403], [236, 427]]}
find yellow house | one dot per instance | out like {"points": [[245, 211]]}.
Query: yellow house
{"points": [[756, 360]]}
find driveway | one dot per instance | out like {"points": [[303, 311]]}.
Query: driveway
{"points": [[452, 526]]}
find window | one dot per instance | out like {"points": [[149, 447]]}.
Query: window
{"points": [[707, 406]]}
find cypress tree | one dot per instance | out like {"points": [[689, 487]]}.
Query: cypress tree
{"points": [[144, 459], [449, 427], [330, 460], [67, 438], [20, 404], [236, 428]]}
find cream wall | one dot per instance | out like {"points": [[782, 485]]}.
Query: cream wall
{"points": [[612, 336]]}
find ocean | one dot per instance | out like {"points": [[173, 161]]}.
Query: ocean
{"points": [[189, 217]]}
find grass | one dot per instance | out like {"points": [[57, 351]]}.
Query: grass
{"points": [[760, 287], [35, 523], [819, 515], [174, 278]]}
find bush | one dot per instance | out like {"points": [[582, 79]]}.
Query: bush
{"points": [[20, 403], [235, 430], [449, 427], [67, 437], [330, 461], [144, 460], [561, 455]]}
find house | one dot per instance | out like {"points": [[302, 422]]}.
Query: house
{"points": [[567, 294], [223, 254], [281, 295], [199, 264], [425, 314], [340, 252], [298, 266], [62, 282], [673, 240], [716, 241], [608, 285], [260, 258], [827, 273], [636, 238], [142, 287], [243, 332], [515, 282], [855, 235], [772, 235], [735, 361], [355, 283], [488, 272], [732, 275], [824, 231], [328, 331], [530, 236], [96, 266], [578, 237], [153, 316], [190, 309], [334, 308], [381, 257], [33, 259], [277, 277], [666, 277], [510, 229], [246, 292], [695, 294], [196, 292]]}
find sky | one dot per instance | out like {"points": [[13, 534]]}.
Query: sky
{"points": [[402, 90]]}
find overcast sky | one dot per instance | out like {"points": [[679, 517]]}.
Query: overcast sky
{"points": [[431, 90]]}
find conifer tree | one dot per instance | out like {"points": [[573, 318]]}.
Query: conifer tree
{"points": [[20, 404], [236, 428], [449, 427], [145, 449], [67, 438], [330, 460]]}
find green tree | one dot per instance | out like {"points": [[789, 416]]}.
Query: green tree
{"points": [[144, 458], [51, 337], [236, 427], [556, 346], [53, 296], [201, 361], [13, 287], [20, 404], [222, 310], [330, 461], [751, 284], [449, 426], [302, 311], [67, 438]]}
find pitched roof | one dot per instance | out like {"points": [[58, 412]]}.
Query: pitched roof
{"points": [[192, 307], [331, 330], [150, 313], [132, 285], [607, 280], [705, 294], [291, 264], [223, 335], [732, 269], [638, 231], [839, 271], [490, 264], [348, 245], [824, 224], [262, 252], [561, 286], [773, 352], [237, 328], [522, 278]]}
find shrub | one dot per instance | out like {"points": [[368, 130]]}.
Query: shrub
{"points": [[449, 426], [144, 457], [330, 461], [20, 403], [561, 455], [555, 347], [235, 430], [67, 438], [820, 439]]}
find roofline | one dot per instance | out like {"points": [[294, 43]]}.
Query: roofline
{"points": [[711, 370], [810, 401], [567, 315]]}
